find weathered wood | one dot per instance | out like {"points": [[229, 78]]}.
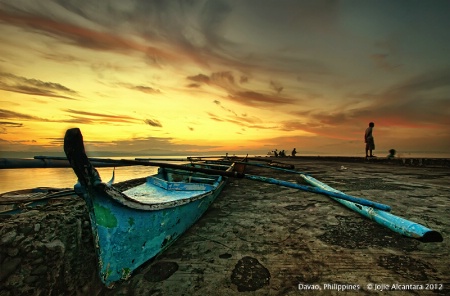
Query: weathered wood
{"points": [[133, 226]]}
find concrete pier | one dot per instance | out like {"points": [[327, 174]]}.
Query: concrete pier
{"points": [[262, 239]]}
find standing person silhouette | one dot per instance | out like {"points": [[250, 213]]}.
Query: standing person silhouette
{"points": [[368, 139]]}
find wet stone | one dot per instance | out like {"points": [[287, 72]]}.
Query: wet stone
{"points": [[37, 227], [8, 237], [40, 255], [161, 271], [38, 261], [56, 246], [31, 279], [39, 270], [250, 275], [26, 229], [12, 252], [8, 267]]}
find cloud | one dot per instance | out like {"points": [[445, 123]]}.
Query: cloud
{"points": [[212, 19], [76, 116], [244, 55], [424, 82], [98, 117], [242, 121], [142, 88], [12, 83], [382, 61], [146, 89], [200, 78], [5, 124], [78, 34], [215, 117], [137, 146], [10, 124], [149, 145], [223, 108], [95, 118], [276, 86], [4, 114], [225, 81], [153, 122], [255, 99], [193, 85], [243, 79], [417, 101], [61, 57], [169, 32]]}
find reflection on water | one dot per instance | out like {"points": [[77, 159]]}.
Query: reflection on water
{"points": [[15, 179]]}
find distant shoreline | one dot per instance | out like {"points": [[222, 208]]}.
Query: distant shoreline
{"points": [[22, 163], [168, 154]]}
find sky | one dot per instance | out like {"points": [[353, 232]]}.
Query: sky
{"points": [[191, 77]]}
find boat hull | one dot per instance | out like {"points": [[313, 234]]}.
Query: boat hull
{"points": [[133, 226], [125, 238]]}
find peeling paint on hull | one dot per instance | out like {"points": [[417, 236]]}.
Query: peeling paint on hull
{"points": [[133, 226], [129, 237]]}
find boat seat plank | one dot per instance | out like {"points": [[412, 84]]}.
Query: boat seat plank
{"points": [[149, 194]]}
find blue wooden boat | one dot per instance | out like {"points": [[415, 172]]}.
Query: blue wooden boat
{"points": [[132, 226]]}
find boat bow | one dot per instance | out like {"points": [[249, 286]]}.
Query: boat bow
{"points": [[133, 226]]}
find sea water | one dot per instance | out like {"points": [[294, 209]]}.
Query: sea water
{"points": [[16, 179]]}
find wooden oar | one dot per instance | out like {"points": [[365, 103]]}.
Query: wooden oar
{"points": [[343, 196]]}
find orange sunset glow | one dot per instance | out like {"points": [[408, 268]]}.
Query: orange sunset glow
{"points": [[190, 77]]}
